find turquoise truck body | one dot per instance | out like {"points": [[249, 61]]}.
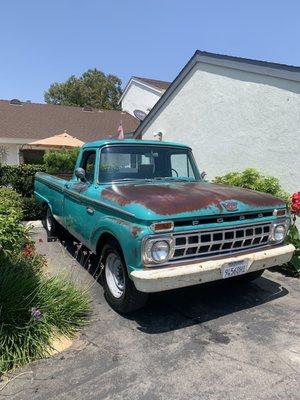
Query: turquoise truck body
{"points": [[127, 211]]}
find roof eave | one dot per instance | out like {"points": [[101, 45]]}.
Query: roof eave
{"points": [[260, 67], [182, 74], [147, 85]]}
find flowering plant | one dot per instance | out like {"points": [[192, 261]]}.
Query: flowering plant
{"points": [[293, 235], [295, 206], [36, 313], [28, 250]]}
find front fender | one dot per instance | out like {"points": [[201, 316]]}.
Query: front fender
{"points": [[128, 234]]}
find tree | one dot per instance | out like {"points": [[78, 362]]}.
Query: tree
{"points": [[93, 88]]}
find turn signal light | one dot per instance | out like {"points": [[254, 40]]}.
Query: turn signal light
{"points": [[165, 226], [279, 213]]}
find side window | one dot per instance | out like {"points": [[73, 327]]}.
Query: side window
{"points": [[181, 166], [88, 164], [146, 159]]}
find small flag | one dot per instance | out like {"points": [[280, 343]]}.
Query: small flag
{"points": [[120, 131]]}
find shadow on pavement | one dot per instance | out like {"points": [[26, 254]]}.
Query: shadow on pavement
{"points": [[177, 309]]}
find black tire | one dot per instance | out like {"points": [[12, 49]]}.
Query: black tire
{"points": [[131, 299], [251, 276], [50, 224]]}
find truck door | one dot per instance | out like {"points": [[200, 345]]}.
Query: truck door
{"points": [[78, 214]]}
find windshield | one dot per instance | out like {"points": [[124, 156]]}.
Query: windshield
{"points": [[147, 162]]}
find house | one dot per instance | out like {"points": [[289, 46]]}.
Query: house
{"points": [[235, 113], [24, 122], [140, 94]]}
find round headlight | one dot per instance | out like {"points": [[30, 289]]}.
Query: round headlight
{"points": [[160, 251], [279, 233], [157, 250]]}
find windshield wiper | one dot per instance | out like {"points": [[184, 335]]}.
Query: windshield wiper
{"points": [[170, 178], [158, 178], [130, 179]]}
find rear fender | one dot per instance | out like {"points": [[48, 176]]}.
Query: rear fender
{"points": [[43, 200]]}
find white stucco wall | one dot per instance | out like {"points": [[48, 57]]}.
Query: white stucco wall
{"points": [[139, 96], [12, 151], [235, 119]]}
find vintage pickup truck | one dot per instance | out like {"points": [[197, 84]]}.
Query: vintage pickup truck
{"points": [[156, 224]]}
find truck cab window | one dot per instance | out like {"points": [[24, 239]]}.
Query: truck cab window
{"points": [[88, 164], [146, 162], [181, 166]]}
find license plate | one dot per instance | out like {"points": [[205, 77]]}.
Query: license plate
{"points": [[234, 268]]}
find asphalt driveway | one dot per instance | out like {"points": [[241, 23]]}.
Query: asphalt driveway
{"points": [[215, 341]]}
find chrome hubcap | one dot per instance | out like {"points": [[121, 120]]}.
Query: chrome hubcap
{"points": [[114, 275]]}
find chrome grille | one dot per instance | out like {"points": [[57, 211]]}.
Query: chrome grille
{"points": [[207, 243]]}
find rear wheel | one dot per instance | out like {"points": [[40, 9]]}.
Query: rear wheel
{"points": [[50, 224], [119, 290]]}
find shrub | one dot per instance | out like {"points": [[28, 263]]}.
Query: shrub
{"points": [[250, 178], [293, 236], [10, 202], [32, 210], [20, 177], [12, 233], [59, 161], [34, 310]]}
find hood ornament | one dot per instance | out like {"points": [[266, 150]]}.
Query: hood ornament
{"points": [[230, 205]]}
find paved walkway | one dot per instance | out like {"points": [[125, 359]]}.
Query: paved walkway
{"points": [[215, 341]]}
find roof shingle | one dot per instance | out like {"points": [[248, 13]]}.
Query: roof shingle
{"points": [[33, 120]]}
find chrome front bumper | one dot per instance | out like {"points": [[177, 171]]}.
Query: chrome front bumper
{"points": [[188, 274]]}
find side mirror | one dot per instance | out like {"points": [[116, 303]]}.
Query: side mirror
{"points": [[203, 175], [80, 173]]}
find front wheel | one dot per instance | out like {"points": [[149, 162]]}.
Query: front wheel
{"points": [[119, 290]]}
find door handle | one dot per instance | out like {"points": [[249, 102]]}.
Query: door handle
{"points": [[67, 185], [90, 210]]}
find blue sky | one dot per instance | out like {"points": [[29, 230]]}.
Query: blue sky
{"points": [[47, 41]]}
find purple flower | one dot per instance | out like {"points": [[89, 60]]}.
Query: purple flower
{"points": [[36, 313]]}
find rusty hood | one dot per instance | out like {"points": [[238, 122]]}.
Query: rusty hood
{"points": [[181, 199]]}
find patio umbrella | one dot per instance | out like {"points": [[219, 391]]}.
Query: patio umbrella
{"points": [[58, 141]]}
